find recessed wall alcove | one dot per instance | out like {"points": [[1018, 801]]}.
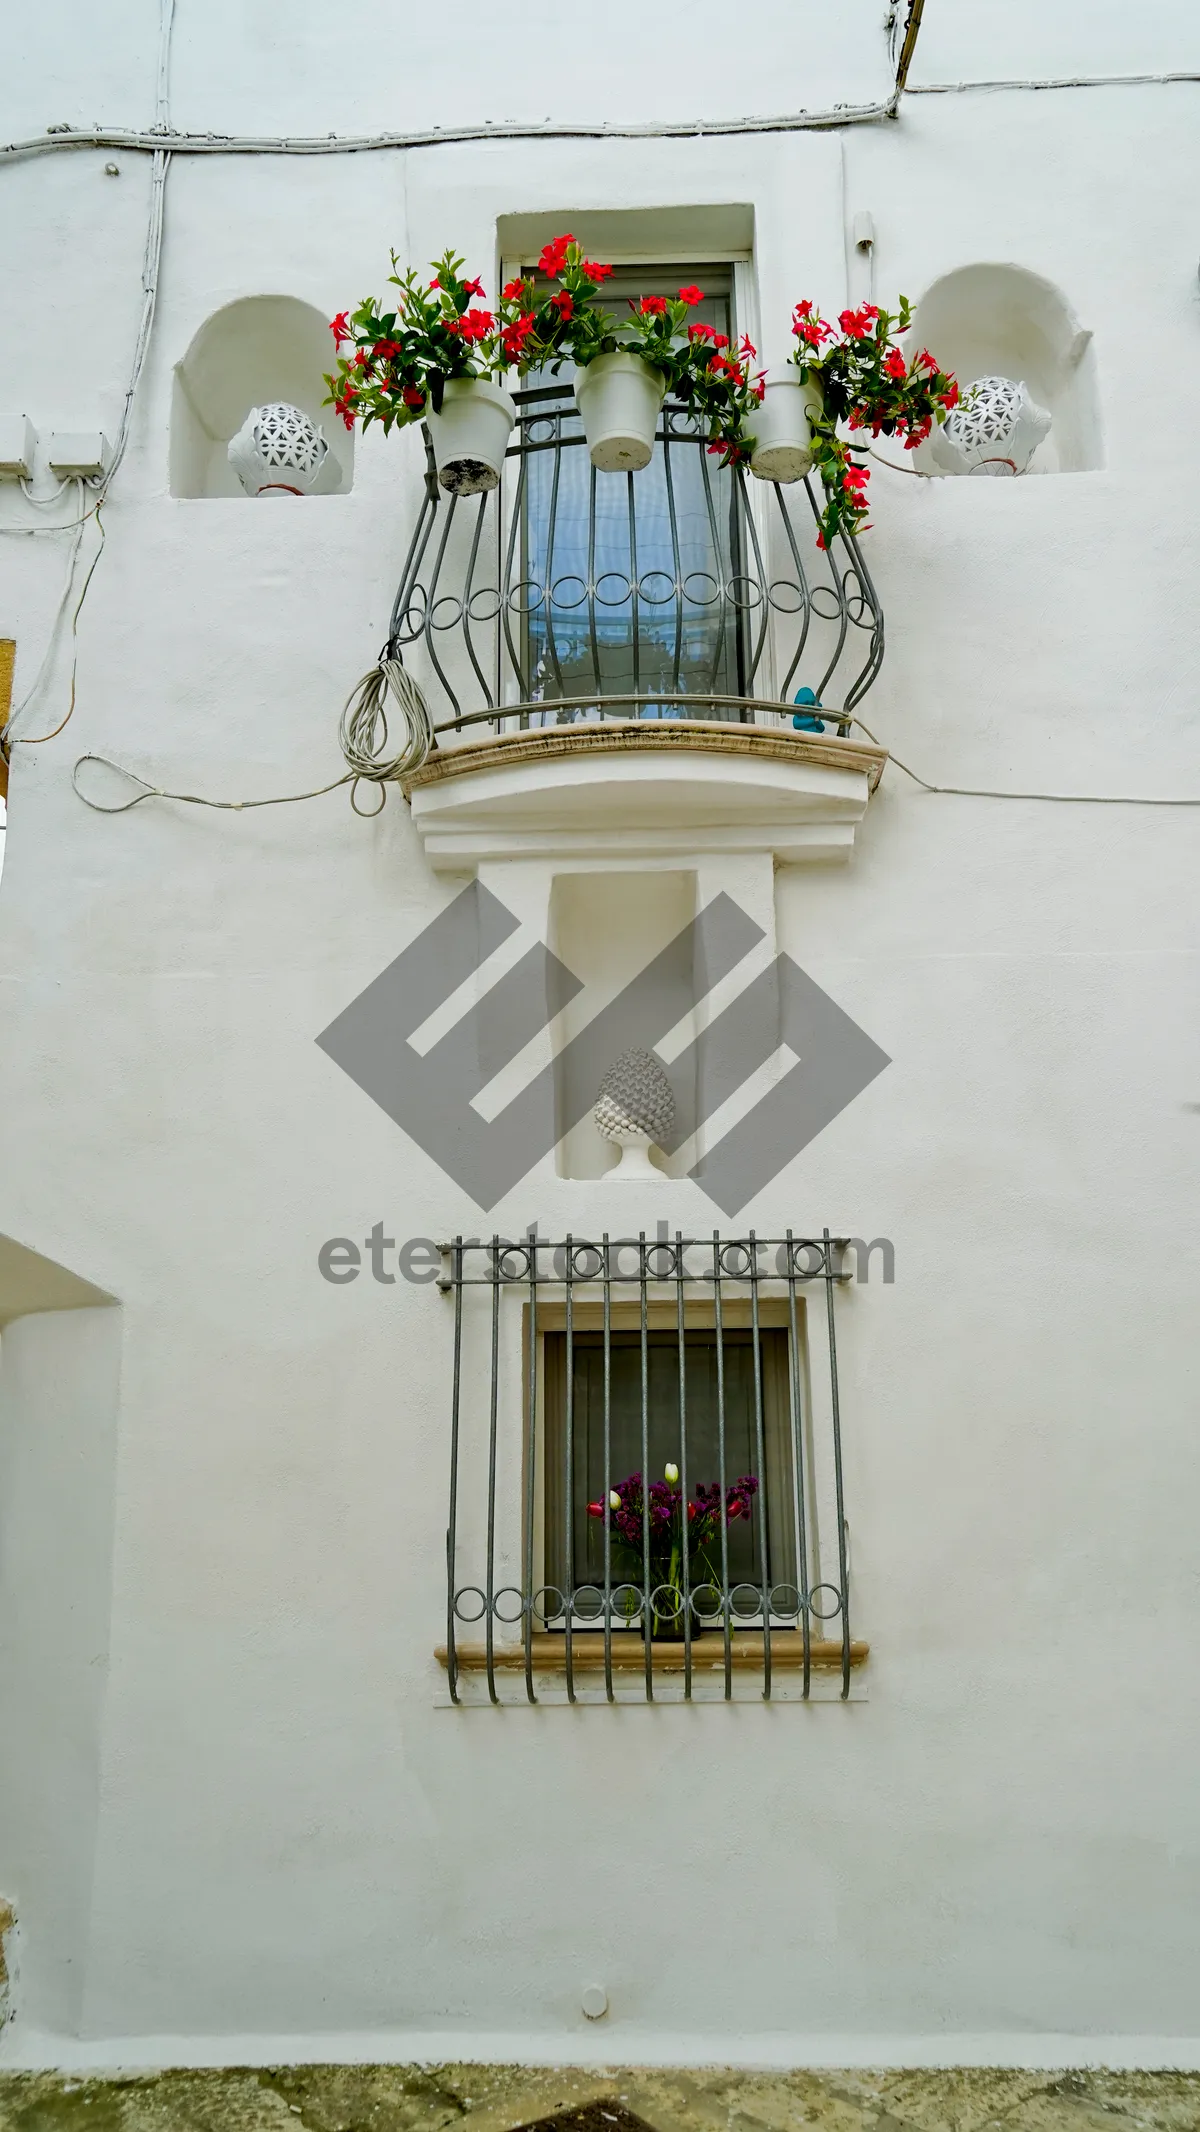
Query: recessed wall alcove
{"points": [[259, 349], [985, 320]]}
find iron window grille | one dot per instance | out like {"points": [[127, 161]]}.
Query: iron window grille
{"points": [[698, 1352]]}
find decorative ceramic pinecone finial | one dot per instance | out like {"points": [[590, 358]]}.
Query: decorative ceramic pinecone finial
{"points": [[278, 451], [636, 1109]]}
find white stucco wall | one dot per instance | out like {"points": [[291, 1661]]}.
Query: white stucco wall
{"points": [[998, 1849]]}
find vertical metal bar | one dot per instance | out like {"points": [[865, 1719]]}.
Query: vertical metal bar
{"points": [[551, 530], [491, 1509], [456, 1271], [591, 585], [530, 1468], [647, 1616], [843, 1579], [801, 587], [467, 595], [608, 1680], [429, 627], [798, 1468], [507, 588], [569, 1476], [720, 1329], [676, 556], [684, 1551], [760, 1453], [854, 695], [634, 612], [840, 592], [718, 572], [739, 490]]}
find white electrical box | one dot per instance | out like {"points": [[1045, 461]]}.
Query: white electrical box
{"points": [[18, 440], [78, 454]]}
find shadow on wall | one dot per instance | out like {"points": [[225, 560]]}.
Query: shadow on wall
{"points": [[60, 1362], [989, 321], [257, 350]]}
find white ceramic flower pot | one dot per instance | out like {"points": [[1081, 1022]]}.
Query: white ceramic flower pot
{"points": [[470, 436], [619, 397], [782, 433]]}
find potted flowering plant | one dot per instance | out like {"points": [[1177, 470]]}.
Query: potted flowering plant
{"points": [[858, 376], [722, 390], [624, 367], [437, 353], [705, 1514]]}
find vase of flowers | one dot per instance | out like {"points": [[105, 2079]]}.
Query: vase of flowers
{"points": [[436, 353], [863, 379], [660, 1510]]}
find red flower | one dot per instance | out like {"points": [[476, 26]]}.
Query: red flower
{"points": [[435, 283], [514, 336], [361, 359], [563, 303], [340, 328], [856, 325], [554, 256], [473, 325], [951, 396], [894, 365], [386, 351], [926, 361], [651, 306], [701, 332], [473, 288], [512, 290], [720, 340], [747, 345], [412, 396], [691, 295], [593, 271]]}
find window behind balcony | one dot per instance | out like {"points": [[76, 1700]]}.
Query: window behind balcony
{"points": [[659, 555]]}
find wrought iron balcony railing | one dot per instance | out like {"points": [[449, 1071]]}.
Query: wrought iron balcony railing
{"points": [[685, 590], [704, 1367]]}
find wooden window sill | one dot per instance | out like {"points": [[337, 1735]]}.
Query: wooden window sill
{"points": [[628, 1654]]}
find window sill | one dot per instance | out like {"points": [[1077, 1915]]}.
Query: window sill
{"points": [[628, 1653]]}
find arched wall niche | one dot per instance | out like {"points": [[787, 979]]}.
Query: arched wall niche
{"points": [[982, 321], [257, 349]]}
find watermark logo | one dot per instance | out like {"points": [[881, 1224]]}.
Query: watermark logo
{"points": [[432, 1094]]}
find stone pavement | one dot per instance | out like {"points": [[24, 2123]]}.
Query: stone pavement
{"points": [[399, 2098]]}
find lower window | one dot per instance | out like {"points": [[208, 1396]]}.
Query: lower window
{"points": [[720, 1509]]}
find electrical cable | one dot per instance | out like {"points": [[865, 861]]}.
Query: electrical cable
{"points": [[151, 266], [163, 139], [362, 733], [1062, 799]]}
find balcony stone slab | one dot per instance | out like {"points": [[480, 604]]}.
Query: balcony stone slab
{"points": [[641, 790]]}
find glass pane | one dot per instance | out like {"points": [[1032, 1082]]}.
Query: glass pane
{"points": [[658, 547], [664, 1441]]}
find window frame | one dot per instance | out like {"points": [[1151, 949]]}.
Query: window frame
{"points": [[787, 1444]]}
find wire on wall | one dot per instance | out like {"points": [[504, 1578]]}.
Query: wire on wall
{"points": [[151, 268]]}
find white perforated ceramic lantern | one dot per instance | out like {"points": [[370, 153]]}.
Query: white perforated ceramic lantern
{"points": [[279, 452], [996, 430]]}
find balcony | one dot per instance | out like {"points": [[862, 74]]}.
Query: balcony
{"points": [[611, 660]]}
